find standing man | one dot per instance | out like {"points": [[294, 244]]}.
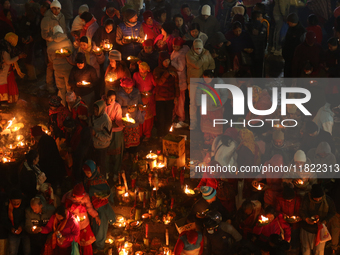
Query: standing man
{"points": [[52, 18], [207, 22], [37, 215]]}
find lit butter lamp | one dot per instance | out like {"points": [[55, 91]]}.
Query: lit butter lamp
{"points": [[21, 144], [292, 219], [258, 185], [107, 46], [97, 49], [109, 241], [263, 220], [84, 83], [127, 120], [80, 219], [7, 159], [278, 126], [299, 183], [133, 59], [63, 52], [11, 146], [188, 191], [130, 39]]}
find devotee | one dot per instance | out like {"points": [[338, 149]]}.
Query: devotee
{"points": [[50, 161], [167, 89], [78, 202], [30, 176], [277, 145], [247, 215], [289, 204], [280, 12], [105, 33], [181, 28], [111, 12], [164, 41], [221, 236], [77, 107], [37, 215], [61, 66], [68, 227], [156, 5], [149, 55], [240, 48], [277, 225], [161, 16], [87, 73], [57, 114], [78, 23], [145, 83], [189, 241], [322, 155], [130, 100], [8, 87], [101, 134], [13, 219], [116, 70], [78, 142], [310, 51], [316, 208], [207, 22], [248, 151], [194, 32], [218, 49], [95, 59], [116, 147], [292, 40], [332, 59], [96, 183], [324, 117], [151, 27], [187, 15], [313, 135], [133, 28], [52, 18], [313, 25], [198, 60], [178, 61], [90, 26]]}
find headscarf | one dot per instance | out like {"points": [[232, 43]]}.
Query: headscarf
{"points": [[144, 67], [247, 139], [101, 106], [88, 51], [12, 38], [127, 83]]}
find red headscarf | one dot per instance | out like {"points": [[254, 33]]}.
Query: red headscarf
{"points": [[127, 83]]}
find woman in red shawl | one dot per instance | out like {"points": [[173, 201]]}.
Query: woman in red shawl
{"points": [[78, 202], [164, 41], [151, 27], [57, 114], [145, 83]]}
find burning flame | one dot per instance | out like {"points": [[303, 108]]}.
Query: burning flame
{"points": [[259, 187], [110, 241], [126, 194], [146, 37], [263, 219], [154, 188], [85, 83], [10, 122], [11, 146], [300, 182], [34, 228], [111, 79], [19, 137], [188, 191], [61, 50], [128, 119], [171, 129], [129, 58], [160, 165], [21, 144], [151, 155]]}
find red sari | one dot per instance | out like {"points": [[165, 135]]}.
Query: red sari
{"points": [[9, 92]]}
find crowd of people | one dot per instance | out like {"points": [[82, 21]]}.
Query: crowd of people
{"points": [[112, 61]]}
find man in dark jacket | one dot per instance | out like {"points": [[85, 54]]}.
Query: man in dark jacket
{"points": [[310, 51], [13, 218], [313, 135], [50, 161], [292, 40], [208, 23], [84, 81], [78, 141], [37, 215], [316, 208]]}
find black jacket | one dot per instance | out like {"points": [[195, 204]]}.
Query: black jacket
{"points": [[88, 74], [310, 142], [293, 38], [151, 59], [101, 35]]}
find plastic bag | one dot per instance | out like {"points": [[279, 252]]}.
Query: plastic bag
{"points": [[75, 248], [324, 234]]}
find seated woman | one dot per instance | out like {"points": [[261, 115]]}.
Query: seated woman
{"points": [[101, 198], [64, 228], [194, 33]]}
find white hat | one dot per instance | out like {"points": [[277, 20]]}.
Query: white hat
{"points": [[206, 10], [300, 156], [57, 29], [83, 8], [198, 43], [56, 4]]}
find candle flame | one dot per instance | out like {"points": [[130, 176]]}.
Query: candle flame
{"points": [[263, 219], [160, 165], [259, 187], [151, 156], [171, 129], [300, 182], [146, 37], [129, 58], [110, 241], [126, 194], [10, 122], [111, 79], [19, 137], [34, 227], [188, 191], [85, 83], [61, 50]]}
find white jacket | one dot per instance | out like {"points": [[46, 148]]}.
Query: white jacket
{"points": [[178, 61]]}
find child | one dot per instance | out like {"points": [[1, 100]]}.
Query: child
{"points": [[313, 26], [148, 54], [181, 28]]}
